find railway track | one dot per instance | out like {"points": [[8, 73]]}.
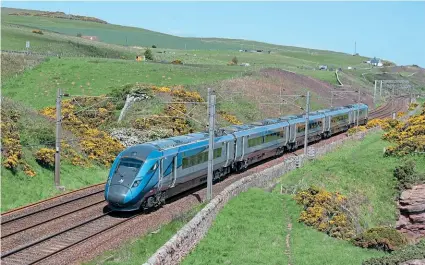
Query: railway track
{"points": [[385, 111], [75, 224]]}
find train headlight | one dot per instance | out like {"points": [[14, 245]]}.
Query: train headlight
{"points": [[136, 183]]}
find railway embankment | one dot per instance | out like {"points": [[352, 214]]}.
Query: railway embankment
{"points": [[186, 239]]}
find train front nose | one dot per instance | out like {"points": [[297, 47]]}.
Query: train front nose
{"points": [[117, 195]]}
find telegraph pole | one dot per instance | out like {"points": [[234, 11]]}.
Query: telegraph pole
{"points": [[58, 140], [306, 123], [374, 95], [358, 110], [211, 114]]}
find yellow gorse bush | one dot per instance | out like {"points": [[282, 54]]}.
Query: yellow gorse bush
{"points": [[11, 144], [407, 137], [230, 118], [96, 144], [324, 211]]}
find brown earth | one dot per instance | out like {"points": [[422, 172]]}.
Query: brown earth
{"points": [[265, 89]]}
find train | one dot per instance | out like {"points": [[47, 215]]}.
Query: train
{"points": [[143, 176]]}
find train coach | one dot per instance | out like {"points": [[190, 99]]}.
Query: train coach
{"points": [[143, 176]]}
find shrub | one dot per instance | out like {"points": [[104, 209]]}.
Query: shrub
{"points": [[79, 35], [410, 252], [148, 54], [413, 105], [356, 129], [381, 238], [37, 31], [407, 176], [153, 46], [177, 62], [325, 211], [45, 157], [235, 60]]}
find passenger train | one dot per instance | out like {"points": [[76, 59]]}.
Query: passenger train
{"points": [[143, 176]]}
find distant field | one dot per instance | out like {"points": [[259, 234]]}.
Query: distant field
{"points": [[99, 76], [131, 36]]}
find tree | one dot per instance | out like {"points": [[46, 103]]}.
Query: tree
{"points": [[235, 60], [148, 54], [154, 46], [79, 35]]}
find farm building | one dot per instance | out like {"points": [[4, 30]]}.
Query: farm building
{"points": [[375, 61]]}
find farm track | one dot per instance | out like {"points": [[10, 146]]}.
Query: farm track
{"points": [[76, 227]]}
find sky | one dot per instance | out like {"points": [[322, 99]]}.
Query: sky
{"points": [[393, 31]]}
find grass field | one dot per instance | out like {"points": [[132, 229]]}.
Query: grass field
{"points": [[18, 190], [85, 76], [245, 231], [252, 229], [359, 171]]}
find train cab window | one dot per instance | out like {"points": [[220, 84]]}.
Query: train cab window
{"points": [[130, 163], [129, 166]]}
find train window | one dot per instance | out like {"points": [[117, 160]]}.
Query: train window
{"points": [[301, 128], [217, 153], [200, 158], [255, 141], [271, 137], [339, 118]]}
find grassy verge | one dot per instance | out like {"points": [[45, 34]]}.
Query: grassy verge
{"points": [[249, 230], [18, 190], [309, 246], [139, 250]]}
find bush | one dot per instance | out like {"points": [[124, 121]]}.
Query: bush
{"points": [[407, 176], [177, 62], [153, 46], [399, 256], [324, 211], [45, 157], [235, 60], [79, 35], [148, 54], [37, 31], [381, 238]]}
